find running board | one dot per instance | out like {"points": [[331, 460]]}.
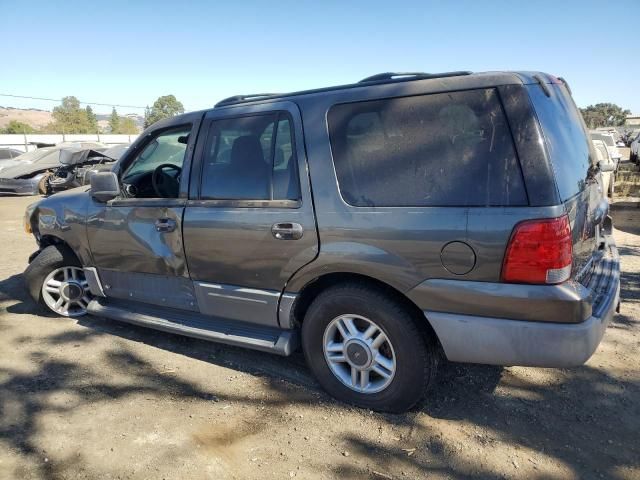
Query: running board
{"points": [[196, 325]]}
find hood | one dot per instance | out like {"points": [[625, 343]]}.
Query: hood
{"points": [[24, 167], [69, 205], [72, 196], [20, 170], [9, 162]]}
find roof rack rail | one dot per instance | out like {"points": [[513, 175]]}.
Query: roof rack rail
{"points": [[240, 98], [411, 76], [380, 78]]}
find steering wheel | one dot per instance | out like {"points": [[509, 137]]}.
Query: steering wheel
{"points": [[165, 185]]}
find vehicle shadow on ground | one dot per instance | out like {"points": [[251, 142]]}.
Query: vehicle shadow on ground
{"points": [[586, 420], [12, 289], [630, 284], [596, 436]]}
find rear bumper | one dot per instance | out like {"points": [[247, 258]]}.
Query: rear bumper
{"points": [[504, 341]]}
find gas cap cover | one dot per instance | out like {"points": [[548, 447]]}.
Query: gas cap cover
{"points": [[458, 258]]}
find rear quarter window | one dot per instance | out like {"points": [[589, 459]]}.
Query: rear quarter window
{"points": [[445, 149], [565, 136]]}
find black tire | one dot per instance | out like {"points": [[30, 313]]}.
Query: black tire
{"points": [[43, 184], [49, 259], [415, 351]]}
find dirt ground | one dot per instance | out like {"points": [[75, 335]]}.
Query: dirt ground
{"points": [[93, 398]]}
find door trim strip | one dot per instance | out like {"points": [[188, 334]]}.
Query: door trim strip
{"points": [[238, 303]]}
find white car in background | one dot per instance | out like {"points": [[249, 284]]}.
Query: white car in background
{"points": [[607, 167], [635, 147], [609, 140]]}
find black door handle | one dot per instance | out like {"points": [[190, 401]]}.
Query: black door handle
{"points": [[165, 225], [287, 231]]}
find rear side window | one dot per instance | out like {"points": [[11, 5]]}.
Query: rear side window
{"points": [[445, 149], [245, 160], [566, 138]]}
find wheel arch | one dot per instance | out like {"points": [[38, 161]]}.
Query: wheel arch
{"points": [[319, 284], [49, 240]]}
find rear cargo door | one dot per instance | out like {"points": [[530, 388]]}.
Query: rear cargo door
{"points": [[572, 156]]}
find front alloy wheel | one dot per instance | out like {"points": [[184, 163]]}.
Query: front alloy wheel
{"points": [[56, 280], [66, 291]]}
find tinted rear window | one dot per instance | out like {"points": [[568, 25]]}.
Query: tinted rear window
{"points": [[446, 149], [566, 138]]}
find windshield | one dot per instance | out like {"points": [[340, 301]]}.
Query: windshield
{"points": [[168, 147], [34, 156], [115, 152], [608, 140]]}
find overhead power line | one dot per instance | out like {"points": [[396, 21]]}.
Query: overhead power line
{"points": [[60, 100]]}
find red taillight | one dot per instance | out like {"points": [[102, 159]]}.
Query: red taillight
{"points": [[539, 252]]}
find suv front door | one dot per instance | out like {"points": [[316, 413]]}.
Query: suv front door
{"points": [[249, 223], [136, 239]]}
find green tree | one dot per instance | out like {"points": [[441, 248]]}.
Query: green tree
{"points": [[604, 115], [114, 121], [164, 107], [70, 118], [127, 126], [92, 119], [14, 126]]}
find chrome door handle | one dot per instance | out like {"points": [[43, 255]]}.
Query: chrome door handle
{"points": [[287, 231], [165, 225]]}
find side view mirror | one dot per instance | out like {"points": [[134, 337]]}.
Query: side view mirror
{"points": [[606, 167], [104, 186]]}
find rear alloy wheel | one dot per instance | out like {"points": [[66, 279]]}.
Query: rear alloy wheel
{"points": [[66, 291], [368, 348], [359, 353]]}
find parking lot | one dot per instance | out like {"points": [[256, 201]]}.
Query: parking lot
{"points": [[93, 398]]}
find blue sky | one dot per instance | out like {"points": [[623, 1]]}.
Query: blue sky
{"points": [[131, 52]]}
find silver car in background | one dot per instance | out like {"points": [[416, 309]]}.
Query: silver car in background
{"points": [[607, 167], [635, 148], [609, 141], [27, 173]]}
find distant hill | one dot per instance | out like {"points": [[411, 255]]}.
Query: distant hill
{"points": [[33, 117], [39, 118], [103, 119]]}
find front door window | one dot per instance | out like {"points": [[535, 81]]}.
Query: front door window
{"points": [[155, 172]]}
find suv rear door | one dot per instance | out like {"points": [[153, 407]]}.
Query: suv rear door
{"points": [[249, 222]]}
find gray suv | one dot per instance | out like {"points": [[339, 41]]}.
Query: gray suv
{"points": [[379, 225]]}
